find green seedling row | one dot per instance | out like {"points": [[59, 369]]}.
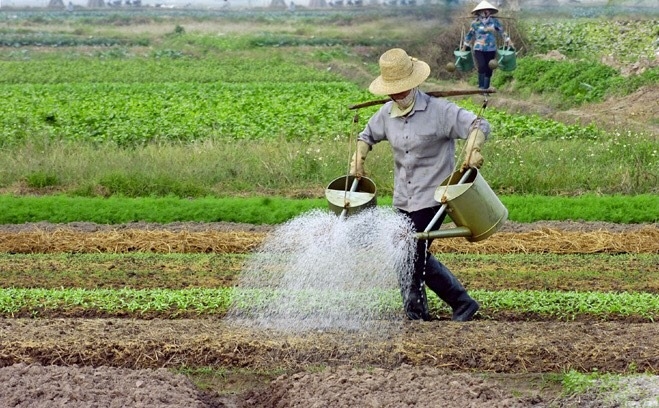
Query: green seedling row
{"points": [[217, 302], [157, 67], [276, 210]]}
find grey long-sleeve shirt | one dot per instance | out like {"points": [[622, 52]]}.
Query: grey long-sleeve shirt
{"points": [[423, 144]]}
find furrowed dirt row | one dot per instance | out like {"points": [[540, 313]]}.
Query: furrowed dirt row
{"points": [[507, 347], [504, 344]]}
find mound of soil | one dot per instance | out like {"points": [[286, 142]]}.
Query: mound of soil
{"points": [[509, 226], [404, 386], [415, 364], [37, 386]]}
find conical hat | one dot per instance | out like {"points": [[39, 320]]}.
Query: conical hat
{"points": [[484, 5]]}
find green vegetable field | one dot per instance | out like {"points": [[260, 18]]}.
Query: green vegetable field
{"points": [[148, 153]]}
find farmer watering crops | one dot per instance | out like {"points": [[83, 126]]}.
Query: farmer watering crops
{"points": [[422, 131], [482, 34]]}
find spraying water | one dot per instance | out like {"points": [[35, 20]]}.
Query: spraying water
{"points": [[319, 271]]}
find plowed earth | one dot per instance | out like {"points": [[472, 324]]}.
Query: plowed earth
{"points": [[506, 361]]}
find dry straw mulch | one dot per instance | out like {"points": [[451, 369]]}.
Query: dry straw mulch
{"points": [[551, 241], [66, 240], [645, 240]]}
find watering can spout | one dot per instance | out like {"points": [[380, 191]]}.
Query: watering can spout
{"points": [[445, 233]]}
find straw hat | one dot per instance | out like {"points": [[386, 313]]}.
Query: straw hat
{"points": [[398, 73], [484, 5]]}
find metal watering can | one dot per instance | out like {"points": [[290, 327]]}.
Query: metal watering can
{"points": [[343, 202], [467, 198], [472, 205], [464, 61], [506, 59]]}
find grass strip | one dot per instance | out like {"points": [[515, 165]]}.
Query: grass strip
{"points": [[276, 210], [530, 304]]}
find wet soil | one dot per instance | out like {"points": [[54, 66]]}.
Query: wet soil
{"points": [[502, 362]]}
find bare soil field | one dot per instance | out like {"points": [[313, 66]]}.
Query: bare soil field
{"points": [[416, 364], [508, 361]]}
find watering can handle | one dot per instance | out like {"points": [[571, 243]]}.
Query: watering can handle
{"points": [[441, 210], [353, 188]]}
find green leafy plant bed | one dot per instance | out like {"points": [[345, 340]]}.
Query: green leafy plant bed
{"points": [[138, 114], [515, 305], [275, 210]]}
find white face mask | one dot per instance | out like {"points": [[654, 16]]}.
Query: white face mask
{"points": [[403, 106], [407, 101]]}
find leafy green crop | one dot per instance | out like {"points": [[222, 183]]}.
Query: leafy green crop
{"points": [[136, 114], [544, 304], [626, 39], [576, 82]]}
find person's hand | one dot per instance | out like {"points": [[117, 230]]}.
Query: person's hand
{"points": [[474, 158], [358, 159], [358, 169]]}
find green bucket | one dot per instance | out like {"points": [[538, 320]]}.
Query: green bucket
{"points": [[507, 58], [464, 62]]}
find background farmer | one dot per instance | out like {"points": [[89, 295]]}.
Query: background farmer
{"points": [[482, 33], [421, 131]]}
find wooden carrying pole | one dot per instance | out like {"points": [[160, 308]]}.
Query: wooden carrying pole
{"points": [[436, 94]]}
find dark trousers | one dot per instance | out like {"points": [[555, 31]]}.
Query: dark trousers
{"points": [[482, 65], [413, 288], [420, 219], [428, 271]]}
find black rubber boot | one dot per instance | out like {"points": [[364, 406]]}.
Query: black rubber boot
{"points": [[441, 281], [415, 299]]}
